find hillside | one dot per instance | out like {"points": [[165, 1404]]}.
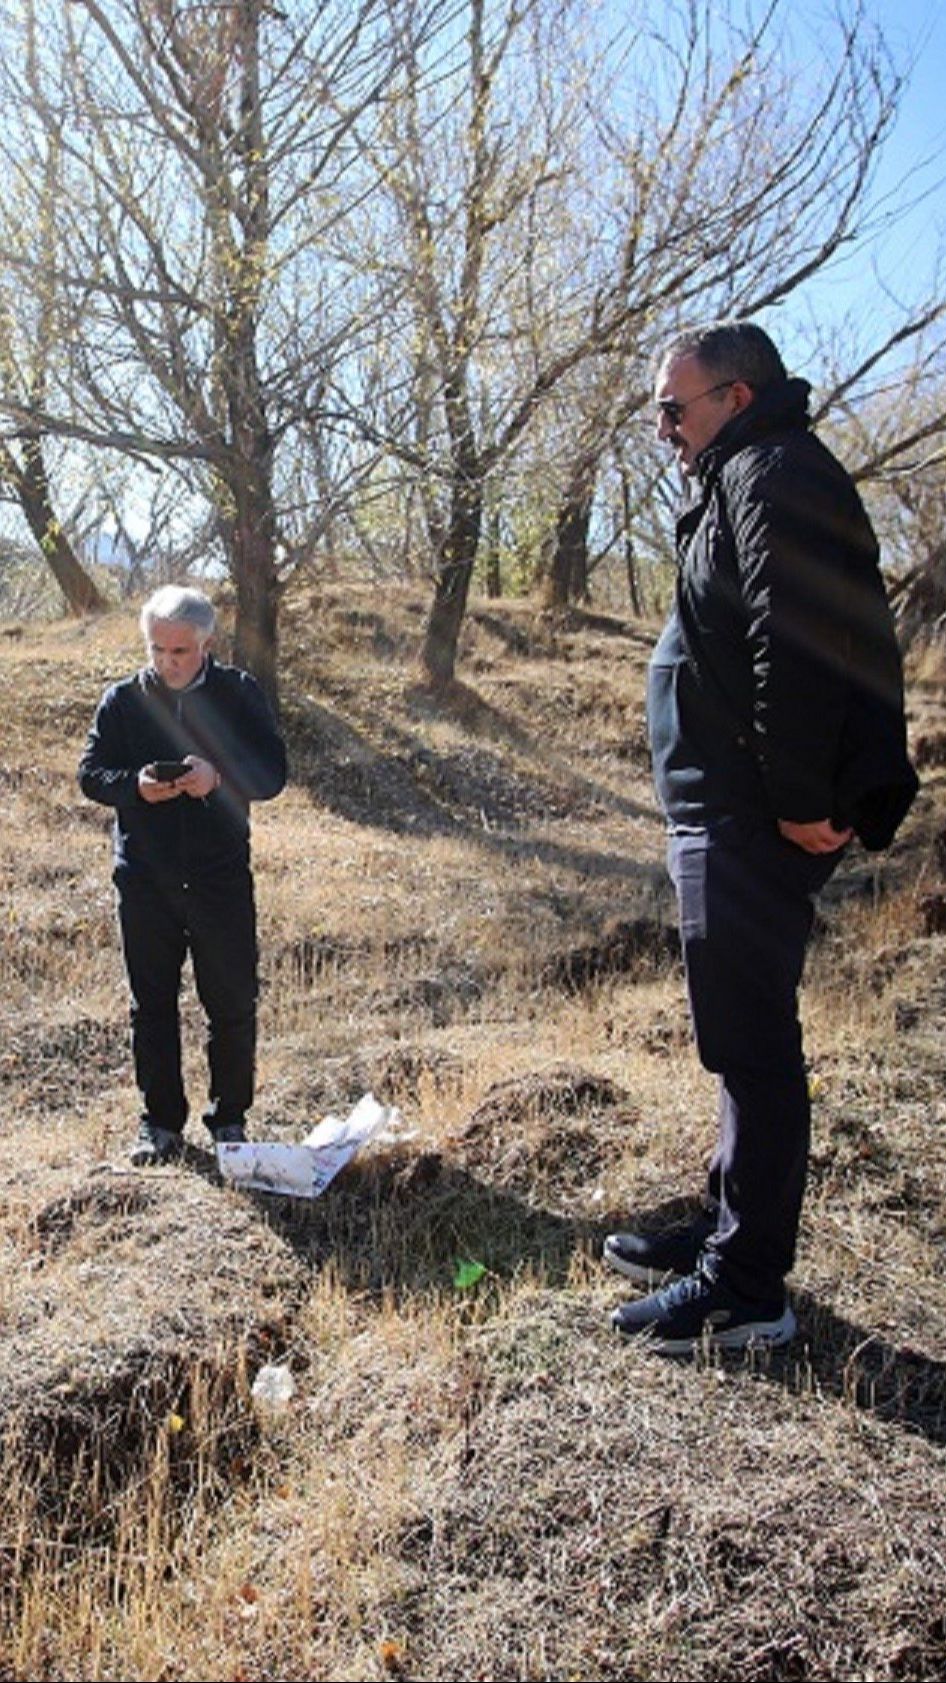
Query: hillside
{"points": [[462, 909]]}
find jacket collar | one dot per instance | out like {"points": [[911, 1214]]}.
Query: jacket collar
{"points": [[778, 408]]}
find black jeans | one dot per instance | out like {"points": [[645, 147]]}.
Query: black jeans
{"points": [[215, 920], [745, 898]]}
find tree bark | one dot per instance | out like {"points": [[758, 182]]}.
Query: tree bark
{"points": [[439, 651], [567, 577], [249, 535], [29, 483], [246, 455], [630, 557], [919, 601], [494, 583]]}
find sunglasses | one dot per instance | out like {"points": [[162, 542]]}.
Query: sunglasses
{"points": [[674, 410]]}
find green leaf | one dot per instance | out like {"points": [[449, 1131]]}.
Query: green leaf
{"points": [[467, 1274]]}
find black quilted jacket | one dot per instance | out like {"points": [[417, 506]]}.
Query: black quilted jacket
{"points": [[777, 683]]}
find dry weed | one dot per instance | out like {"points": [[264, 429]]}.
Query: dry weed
{"points": [[462, 908]]}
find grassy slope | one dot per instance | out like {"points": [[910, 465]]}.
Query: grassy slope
{"points": [[462, 908]]}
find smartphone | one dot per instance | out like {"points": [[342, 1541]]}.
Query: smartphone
{"points": [[168, 771]]}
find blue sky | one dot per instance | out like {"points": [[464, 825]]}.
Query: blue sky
{"points": [[916, 151], [900, 258]]}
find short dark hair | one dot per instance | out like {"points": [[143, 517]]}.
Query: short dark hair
{"points": [[730, 350]]}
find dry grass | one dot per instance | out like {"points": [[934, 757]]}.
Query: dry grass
{"points": [[463, 908]]}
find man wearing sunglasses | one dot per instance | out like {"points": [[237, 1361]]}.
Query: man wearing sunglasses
{"points": [[776, 717]]}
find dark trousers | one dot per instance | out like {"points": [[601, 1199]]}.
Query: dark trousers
{"points": [[745, 898], [215, 921]]}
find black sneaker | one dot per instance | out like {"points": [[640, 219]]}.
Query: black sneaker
{"points": [[699, 1310], [648, 1258], [155, 1145], [232, 1133]]}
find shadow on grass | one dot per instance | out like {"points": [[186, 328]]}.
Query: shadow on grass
{"points": [[404, 1224], [836, 1357], [843, 1359], [407, 786]]}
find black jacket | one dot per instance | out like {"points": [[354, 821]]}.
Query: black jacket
{"points": [[223, 718], [777, 684]]}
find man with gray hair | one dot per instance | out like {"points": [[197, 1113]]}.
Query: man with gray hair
{"points": [[776, 715], [180, 750]]}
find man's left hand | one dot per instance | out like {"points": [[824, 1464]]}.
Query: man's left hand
{"points": [[201, 780], [820, 836]]}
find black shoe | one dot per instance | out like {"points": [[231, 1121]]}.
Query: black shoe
{"points": [[155, 1145], [232, 1133], [699, 1310], [649, 1258]]}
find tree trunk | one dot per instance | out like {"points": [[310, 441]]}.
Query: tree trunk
{"points": [[919, 601], [240, 223], [567, 579], [250, 537], [630, 558], [31, 488], [439, 653], [494, 583], [256, 630]]}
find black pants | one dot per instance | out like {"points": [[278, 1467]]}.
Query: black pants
{"points": [[215, 920], [745, 898]]}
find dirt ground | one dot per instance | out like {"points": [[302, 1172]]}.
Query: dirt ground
{"points": [[463, 909]]}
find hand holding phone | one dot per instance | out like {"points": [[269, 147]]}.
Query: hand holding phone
{"points": [[168, 771]]}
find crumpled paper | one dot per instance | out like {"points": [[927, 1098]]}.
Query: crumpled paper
{"points": [[305, 1170]]}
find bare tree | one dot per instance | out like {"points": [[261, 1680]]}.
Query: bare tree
{"points": [[328, 259], [471, 164], [885, 407], [559, 201], [739, 212], [29, 355], [205, 148]]}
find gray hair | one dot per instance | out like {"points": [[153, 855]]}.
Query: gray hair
{"points": [[181, 604], [730, 350]]}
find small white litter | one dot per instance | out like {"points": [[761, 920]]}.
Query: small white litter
{"points": [[273, 1389], [305, 1170]]}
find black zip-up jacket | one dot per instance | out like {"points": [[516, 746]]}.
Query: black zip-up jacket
{"points": [[777, 683], [222, 717]]}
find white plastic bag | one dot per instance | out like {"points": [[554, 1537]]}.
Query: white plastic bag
{"points": [[273, 1389]]}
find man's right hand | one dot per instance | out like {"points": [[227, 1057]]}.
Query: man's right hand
{"points": [[154, 789], [818, 837]]}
